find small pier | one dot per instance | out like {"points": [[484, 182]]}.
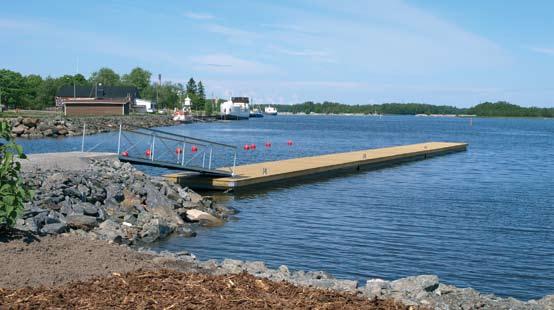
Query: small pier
{"points": [[267, 172]]}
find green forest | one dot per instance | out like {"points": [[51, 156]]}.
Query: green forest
{"points": [[489, 109], [38, 93]]}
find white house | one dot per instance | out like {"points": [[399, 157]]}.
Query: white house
{"points": [[145, 105]]}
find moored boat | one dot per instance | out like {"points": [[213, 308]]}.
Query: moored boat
{"points": [[269, 110], [235, 108]]}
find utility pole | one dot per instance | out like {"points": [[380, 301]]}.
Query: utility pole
{"points": [[159, 84]]}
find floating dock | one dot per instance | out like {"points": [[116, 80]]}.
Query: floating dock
{"points": [[287, 170]]}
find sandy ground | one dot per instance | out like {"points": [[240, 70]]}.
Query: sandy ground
{"points": [[57, 260]]}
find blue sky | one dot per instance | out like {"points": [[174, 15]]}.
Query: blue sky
{"points": [[352, 51]]}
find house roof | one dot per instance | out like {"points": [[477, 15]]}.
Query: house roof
{"points": [[103, 92], [95, 101]]}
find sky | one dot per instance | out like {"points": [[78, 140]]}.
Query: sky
{"points": [[351, 51]]}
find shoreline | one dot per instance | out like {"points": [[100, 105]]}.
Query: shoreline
{"points": [[55, 126], [26, 265], [110, 203]]}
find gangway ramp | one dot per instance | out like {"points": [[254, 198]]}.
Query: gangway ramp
{"points": [[157, 148]]}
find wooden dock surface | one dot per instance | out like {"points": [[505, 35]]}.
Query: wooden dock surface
{"points": [[265, 172]]}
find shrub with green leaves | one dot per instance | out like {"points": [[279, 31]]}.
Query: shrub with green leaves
{"points": [[13, 193]]}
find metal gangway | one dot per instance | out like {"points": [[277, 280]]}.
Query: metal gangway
{"points": [[157, 148]]}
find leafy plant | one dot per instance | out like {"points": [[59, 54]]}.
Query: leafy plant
{"points": [[13, 193]]}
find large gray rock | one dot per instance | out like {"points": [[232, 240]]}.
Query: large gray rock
{"points": [[375, 288], [232, 266], [427, 283], [256, 267], [196, 215], [111, 231], [83, 222], [19, 129], [29, 122], [155, 229], [54, 228]]}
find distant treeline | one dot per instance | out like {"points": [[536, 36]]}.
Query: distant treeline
{"points": [[35, 92], [500, 108]]}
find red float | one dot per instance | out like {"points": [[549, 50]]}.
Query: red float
{"points": [[125, 153], [246, 147], [178, 150], [148, 152], [268, 144], [289, 142], [252, 146], [194, 148]]}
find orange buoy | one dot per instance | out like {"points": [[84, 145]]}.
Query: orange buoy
{"points": [[246, 147], [194, 148], [125, 153], [148, 152]]}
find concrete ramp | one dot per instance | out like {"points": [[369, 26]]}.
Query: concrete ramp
{"points": [[66, 161]]}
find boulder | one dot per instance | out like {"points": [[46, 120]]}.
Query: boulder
{"points": [[415, 285], [19, 129], [83, 222], [29, 122], [54, 228], [155, 229], [196, 215], [89, 209], [375, 287]]}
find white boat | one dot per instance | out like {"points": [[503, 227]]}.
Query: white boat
{"points": [[181, 115], [235, 108], [269, 110]]}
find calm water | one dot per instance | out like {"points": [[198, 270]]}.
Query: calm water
{"points": [[482, 218]]}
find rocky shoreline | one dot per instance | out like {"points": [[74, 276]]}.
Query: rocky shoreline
{"points": [[114, 202], [31, 127], [415, 291]]}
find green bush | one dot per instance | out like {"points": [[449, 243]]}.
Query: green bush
{"points": [[13, 193]]}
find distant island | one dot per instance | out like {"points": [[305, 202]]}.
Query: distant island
{"points": [[486, 109]]}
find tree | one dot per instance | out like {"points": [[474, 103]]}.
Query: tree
{"points": [[191, 88], [201, 99], [138, 77], [13, 88], [106, 76], [32, 86], [13, 193]]}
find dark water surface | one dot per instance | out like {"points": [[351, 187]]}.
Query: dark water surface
{"points": [[482, 218]]}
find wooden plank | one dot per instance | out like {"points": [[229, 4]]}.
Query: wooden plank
{"points": [[266, 172]]}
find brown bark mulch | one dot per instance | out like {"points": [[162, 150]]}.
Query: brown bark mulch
{"points": [[165, 289]]}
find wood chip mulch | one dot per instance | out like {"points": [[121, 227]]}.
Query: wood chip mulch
{"points": [[164, 289]]}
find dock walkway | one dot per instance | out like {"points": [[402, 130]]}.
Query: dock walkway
{"points": [[266, 172]]}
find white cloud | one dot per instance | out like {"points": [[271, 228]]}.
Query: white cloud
{"points": [[232, 34], [543, 50], [198, 15], [225, 63]]}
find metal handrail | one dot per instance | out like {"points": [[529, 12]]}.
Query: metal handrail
{"points": [[206, 148], [183, 136]]}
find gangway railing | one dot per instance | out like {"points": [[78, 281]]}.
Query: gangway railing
{"points": [[170, 150]]}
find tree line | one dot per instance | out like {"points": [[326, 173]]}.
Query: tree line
{"points": [[35, 92], [490, 109]]}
